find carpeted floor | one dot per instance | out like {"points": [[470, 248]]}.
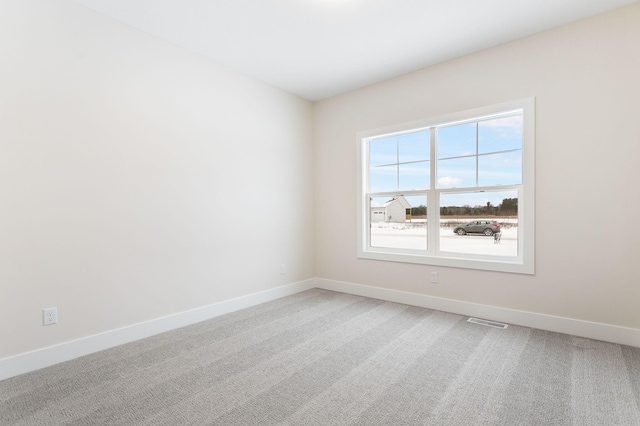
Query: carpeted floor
{"points": [[326, 358]]}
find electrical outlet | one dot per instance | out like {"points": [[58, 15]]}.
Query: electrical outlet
{"points": [[434, 277], [49, 316], [283, 269]]}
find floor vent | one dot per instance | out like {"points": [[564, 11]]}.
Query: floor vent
{"points": [[487, 323]]}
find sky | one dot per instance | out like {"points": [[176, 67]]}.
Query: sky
{"points": [[483, 153]]}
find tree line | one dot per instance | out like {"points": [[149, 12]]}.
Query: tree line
{"points": [[508, 207]]}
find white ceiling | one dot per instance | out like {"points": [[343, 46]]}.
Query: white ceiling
{"points": [[320, 48]]}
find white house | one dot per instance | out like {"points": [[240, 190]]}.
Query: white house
{"points": [[396, 209]]}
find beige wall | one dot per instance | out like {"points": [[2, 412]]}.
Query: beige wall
{"points": [[585, 78], [137, 180]]}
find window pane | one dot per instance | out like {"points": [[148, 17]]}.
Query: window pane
{"points": [[471, 167], [383, 151], [383, 178], [457, 173], [399, 222], [500, 134], [468, 223], [500, 169], [457, 141], [414, 147], [414, 176]]}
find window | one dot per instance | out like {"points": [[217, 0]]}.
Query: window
{"points": [[453, 191]]}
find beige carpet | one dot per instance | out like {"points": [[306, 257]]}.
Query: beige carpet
{"points": [[326, 358]]}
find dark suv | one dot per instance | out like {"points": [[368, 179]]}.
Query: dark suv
{"points": [[486, 227]]}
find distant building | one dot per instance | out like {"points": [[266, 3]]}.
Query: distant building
{"points": [[396, 209]]}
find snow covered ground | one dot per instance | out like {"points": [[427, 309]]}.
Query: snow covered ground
{"points": [[414, 236]]}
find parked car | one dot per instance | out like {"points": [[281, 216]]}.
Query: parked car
{"points": [[486, 227]]}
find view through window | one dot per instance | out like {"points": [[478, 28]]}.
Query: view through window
{"points": [[451, 192]]}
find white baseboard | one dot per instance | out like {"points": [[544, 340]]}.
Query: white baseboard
{"points": [[591, 330], [30, 361]]}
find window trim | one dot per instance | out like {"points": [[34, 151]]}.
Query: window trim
{"points": [[524, 263]]}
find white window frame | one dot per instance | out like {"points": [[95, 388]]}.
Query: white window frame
{"points": [[523, 263]]}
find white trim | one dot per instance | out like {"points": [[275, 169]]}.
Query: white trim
{"points": [[30, 361], [575, 327], [524, 263], [23, 363]]}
